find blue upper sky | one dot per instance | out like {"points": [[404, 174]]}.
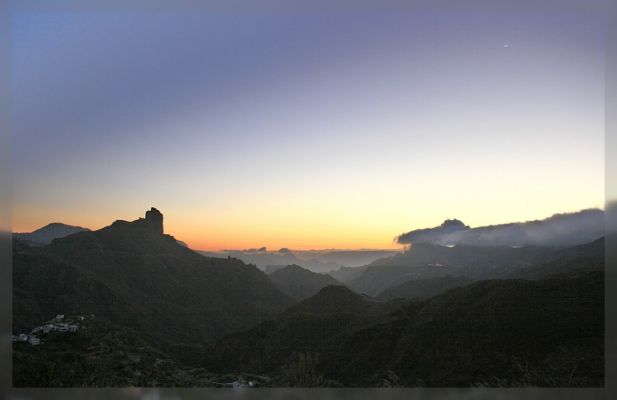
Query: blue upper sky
{"points": [[306, 128]]}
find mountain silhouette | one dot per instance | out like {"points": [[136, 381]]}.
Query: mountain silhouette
{"points": [[423, 288], [513, 332], [302, 328], [425, 261], [133, 274], [445, 316], [48, 233], [299, 283], [567, 262]]}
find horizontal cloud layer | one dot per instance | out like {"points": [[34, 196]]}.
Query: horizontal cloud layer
{"points": [[567, 229]]}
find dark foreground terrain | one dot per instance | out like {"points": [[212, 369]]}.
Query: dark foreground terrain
{"points": [[498, 332], [129, 306]]}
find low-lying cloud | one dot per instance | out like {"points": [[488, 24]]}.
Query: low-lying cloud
{"points": [[567, 229]]}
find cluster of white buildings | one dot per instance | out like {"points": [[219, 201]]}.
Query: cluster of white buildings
{"points": [[23, 337], [54, 325]]}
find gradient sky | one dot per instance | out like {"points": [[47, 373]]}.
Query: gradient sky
{"points": [[305, 129]]}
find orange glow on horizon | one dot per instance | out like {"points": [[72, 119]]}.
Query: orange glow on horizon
{"points": [[215, 232]]}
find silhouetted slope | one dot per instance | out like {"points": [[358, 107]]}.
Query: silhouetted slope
{"points": [[507, 332], [573, 260], [299, 283], [498, 333], [339, 299], [347, 274], [473, 262], [136, 276], [425, 261], [501, 325], [478, 260], [49, 232], [375, 279], [304, 327], [99, 354], [423, 288]]}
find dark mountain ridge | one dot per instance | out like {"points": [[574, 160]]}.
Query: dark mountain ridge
{"points": [[494, 333], [136, 276], [423, 288], [542, 326], [270, 347], [299, 283], [570, 261], [46, 234], [427, 261]]}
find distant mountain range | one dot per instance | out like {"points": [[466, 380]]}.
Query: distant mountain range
{"points": [[271, 260], [46, 234], [321, 261], [433, 315], [428, 261]]}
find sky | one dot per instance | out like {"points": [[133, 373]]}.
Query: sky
{"points": [[305, 129]]}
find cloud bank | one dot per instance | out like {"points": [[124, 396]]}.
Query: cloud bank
{"points": [[568, 229]]}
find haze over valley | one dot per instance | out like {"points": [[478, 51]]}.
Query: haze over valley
{"points": [[212, 321], [256, 196]]}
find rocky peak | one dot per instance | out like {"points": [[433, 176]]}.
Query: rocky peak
{"points": [[432, 235], [454, 224], [154, 220]]}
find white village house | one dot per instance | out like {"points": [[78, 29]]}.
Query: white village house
{"points": [[53, 325]]}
